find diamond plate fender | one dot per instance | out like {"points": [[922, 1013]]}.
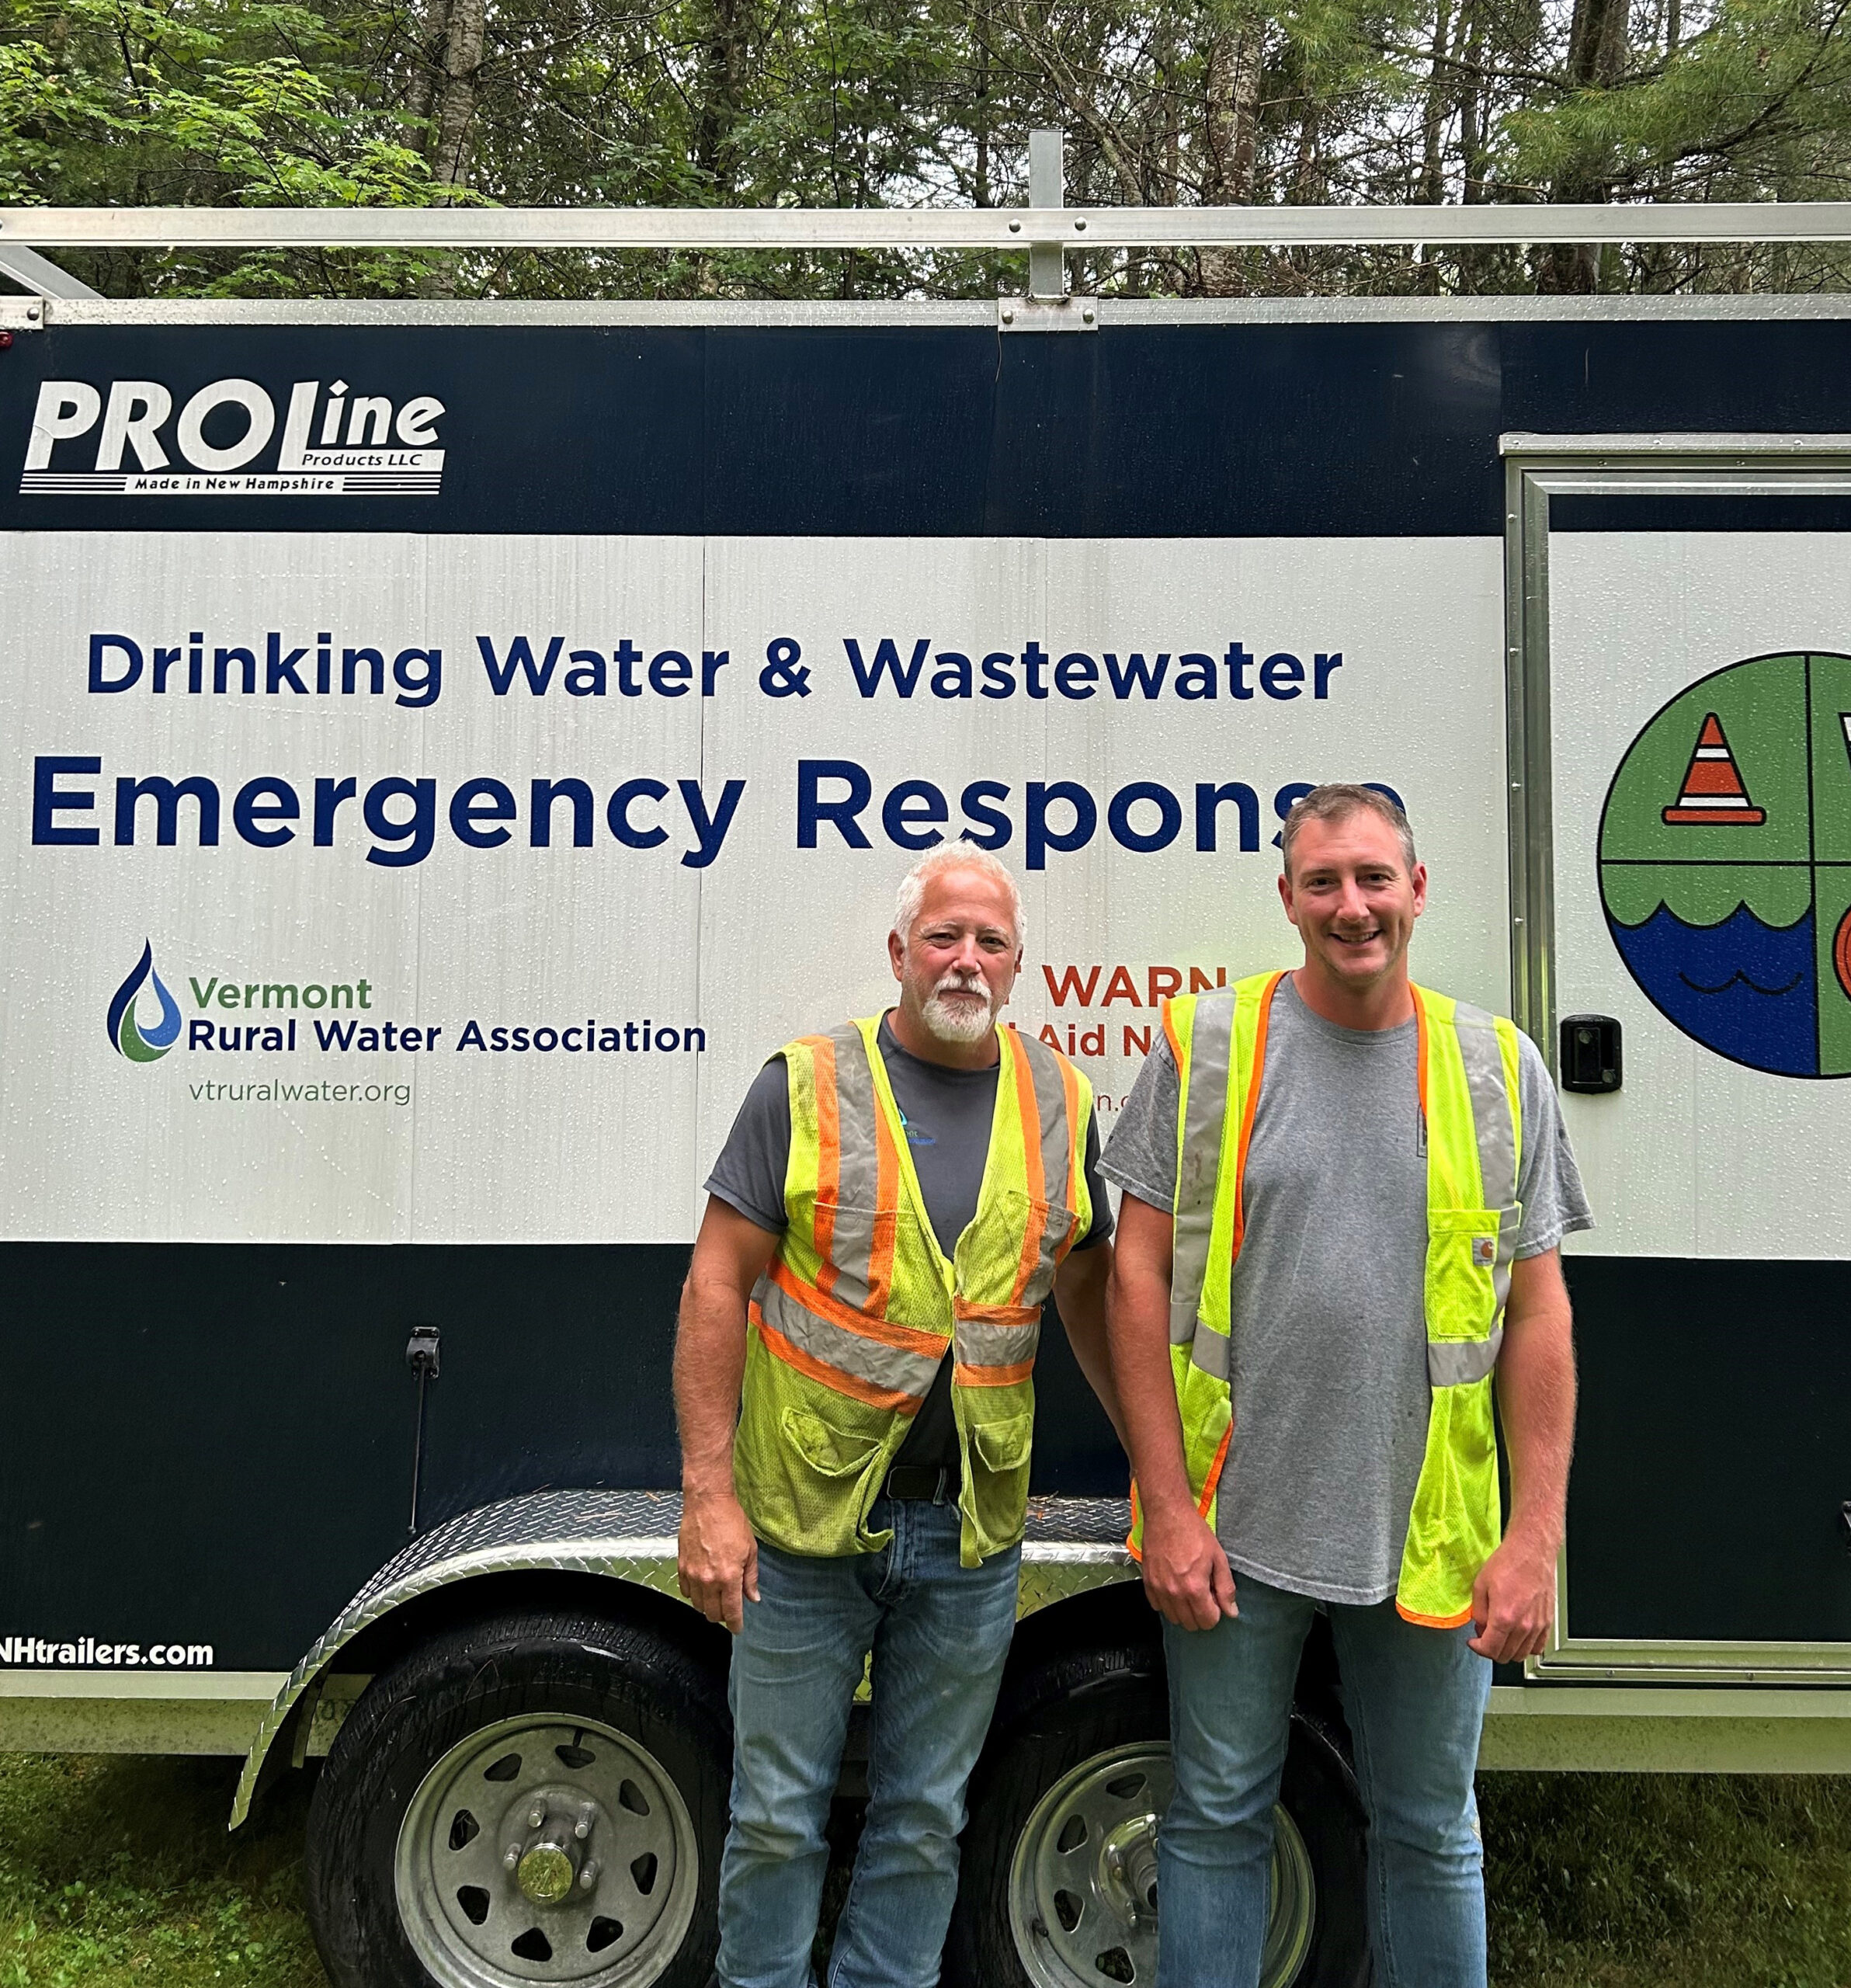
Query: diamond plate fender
{"points": [[1072, 1544]]}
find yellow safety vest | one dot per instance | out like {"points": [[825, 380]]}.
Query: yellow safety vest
{"points": [[849, 1325], [1467, 1079]]}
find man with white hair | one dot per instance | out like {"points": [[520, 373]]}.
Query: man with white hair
{"points": [[853, 1380]]}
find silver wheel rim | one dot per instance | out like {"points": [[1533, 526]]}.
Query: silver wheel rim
{"points": [[1083, 1880], [598, 1891]]}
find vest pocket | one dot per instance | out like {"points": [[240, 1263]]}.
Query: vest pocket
{"points": [[807, 1480], [999, 1452], [867, 1247], [1462, 1266], [990, 1251], [830, 1452]]}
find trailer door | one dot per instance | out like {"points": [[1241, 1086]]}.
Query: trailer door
{"points": [[1680, 651]]}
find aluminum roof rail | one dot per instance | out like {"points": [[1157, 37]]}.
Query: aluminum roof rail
{"points": [[1046, 228], [920, 227]]}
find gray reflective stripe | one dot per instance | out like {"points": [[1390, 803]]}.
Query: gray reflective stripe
{"points": [[867, 1360], [1495, 1124], [1057, 1135], [1213, 1352], [1204, 1109], [1484, 1059], [983, 1343], [1458, 1363], [859, 1182]]}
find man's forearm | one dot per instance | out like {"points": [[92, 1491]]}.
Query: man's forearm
{"points": [[1536, 1400], [709, 1369], [1138, 1333], [1080, 1291]]}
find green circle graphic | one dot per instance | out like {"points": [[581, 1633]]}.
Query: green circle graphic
{"points": [[1725, 863]]}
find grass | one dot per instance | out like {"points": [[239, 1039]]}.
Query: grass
{"points": [[1616, 1881], [119, 1873]]}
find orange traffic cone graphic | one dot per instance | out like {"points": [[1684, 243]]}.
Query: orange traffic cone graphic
{"points": [[1712, 790]]}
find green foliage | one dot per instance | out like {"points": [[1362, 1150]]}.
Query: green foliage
{"points": [[226, 103], [873, 102], [1756, 105]]}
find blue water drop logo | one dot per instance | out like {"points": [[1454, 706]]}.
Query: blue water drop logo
{"points": [[140, 1044]]}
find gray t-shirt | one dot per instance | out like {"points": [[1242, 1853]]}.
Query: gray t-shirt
{"points": [[1330, 1394], [948, 1114]]}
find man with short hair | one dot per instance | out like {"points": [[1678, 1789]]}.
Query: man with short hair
{"points": [[853, 1376], [1344, 1195]]}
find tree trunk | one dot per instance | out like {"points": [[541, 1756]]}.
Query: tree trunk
{"points": [[1169, 144], [722, 93], [1596, 58], [1230, 137], [1471, 107], [1440, 91], [427, 63], [465, 32], [1308, 168], [980, 182]]}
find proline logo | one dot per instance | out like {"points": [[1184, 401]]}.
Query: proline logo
{"points": [[127, 1035], [334, 442]]}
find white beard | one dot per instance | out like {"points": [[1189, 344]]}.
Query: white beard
{"points": [[958, 1022]]}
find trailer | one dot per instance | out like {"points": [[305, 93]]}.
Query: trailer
{"points": [[448, 746]]}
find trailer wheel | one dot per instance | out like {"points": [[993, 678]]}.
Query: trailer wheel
{"points": [[1059, 1872], [541, 1797]]}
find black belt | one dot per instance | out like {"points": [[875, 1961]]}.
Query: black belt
{"points": [[920, 1483]]}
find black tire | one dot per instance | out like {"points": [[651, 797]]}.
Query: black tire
{"points": [[1069, 1719], [417, 1720]]}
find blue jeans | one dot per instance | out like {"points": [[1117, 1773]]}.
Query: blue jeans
{"points": [[939, 1634], [1414, 1701]]}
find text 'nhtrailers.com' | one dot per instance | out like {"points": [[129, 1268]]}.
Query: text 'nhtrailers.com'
{"points": [[87, 1651]]}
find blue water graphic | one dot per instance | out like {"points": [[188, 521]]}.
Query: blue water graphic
{"points": [[1747, 990], [124, 1026]]}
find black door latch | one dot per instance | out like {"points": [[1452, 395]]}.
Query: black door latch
{"points": [[1590, 1059]]}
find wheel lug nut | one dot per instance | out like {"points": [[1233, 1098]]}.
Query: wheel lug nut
{"points": [[536, 1815], [582, 1828], [587, 1878], [511, 1855]]}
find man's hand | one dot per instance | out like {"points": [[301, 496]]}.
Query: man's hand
{"points": [[1513, 1600], [717, 1565], [1186, 1576]]}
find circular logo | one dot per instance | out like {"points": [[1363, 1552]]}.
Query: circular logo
{"points": [[1725, 863]]}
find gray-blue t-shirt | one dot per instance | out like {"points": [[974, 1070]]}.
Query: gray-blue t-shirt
{"points": [[1331, 1396]]}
